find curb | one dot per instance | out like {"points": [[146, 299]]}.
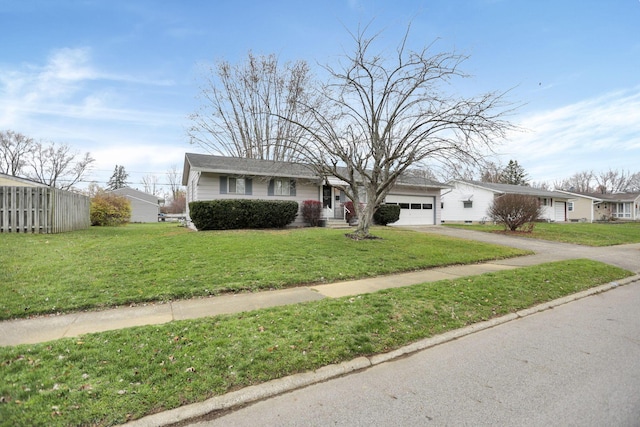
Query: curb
{"points": [[193, 412]]}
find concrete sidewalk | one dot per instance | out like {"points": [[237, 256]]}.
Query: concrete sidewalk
{"points": [[47, 328]]}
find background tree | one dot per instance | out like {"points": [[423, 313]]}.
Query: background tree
{"points": [[515, 211], [151, 184], [634, 183], [175, 181], [380, 115], [177, 203], [15, 150], [491, 172], [513, 174], [118, 179], [580, 182], [612, 181], [249, 108], [58, 165]]}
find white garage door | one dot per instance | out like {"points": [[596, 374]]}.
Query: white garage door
{"points": [[414, 210], [559, 211]]}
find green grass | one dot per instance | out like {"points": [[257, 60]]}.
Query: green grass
{"points": [[597, 234], [112, 377], [104, 267]]}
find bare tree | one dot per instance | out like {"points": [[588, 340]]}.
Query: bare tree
{"points": [[175, 181], [613, 181], [150, 183], [15, 150], [249, 108], [380, 115], [634, 182], [58, 165], [580, 182], [491, 172]]}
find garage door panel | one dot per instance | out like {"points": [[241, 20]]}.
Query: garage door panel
{"points": [[414, 210]]}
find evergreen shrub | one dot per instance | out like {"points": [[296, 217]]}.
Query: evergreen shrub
{"points": [[242, 213]]}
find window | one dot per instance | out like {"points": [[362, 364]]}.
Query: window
{"points": [[570, 206], [467, 204], [236, 185], [427, 206], [621, 210], [404, 205], [281, 187], [287, 187], [416, 206]]}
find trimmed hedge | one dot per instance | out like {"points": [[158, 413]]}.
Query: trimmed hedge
{"points": [[386, 214], [242, 213]]}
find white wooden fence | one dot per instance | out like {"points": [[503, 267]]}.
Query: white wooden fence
{"points": [[42, 210]]}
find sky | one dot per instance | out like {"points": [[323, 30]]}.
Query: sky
{"points": [[119, 78]]}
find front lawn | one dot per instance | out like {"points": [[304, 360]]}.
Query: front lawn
{"points": [[597, 234], [112, 377], [103, 267]]}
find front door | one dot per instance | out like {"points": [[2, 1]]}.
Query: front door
{"points": [[327, 201]]}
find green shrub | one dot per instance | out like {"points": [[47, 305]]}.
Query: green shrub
{"points": [[312, 212], [386, 214], [109, 209], [242, 213]]}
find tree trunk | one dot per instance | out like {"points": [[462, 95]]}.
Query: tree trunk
{"points": [[365, 219]]}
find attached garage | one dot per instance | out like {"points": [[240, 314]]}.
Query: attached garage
{"points": [[414, 210]]}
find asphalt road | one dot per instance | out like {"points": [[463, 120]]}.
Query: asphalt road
{"points": [[575, 365]]}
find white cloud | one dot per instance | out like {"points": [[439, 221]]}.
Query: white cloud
{"points": [[596, 133]]}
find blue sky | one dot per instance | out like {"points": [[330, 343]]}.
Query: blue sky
{"points": [[119, 78]]}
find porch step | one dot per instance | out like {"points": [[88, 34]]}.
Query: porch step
{"points": [[336, 223]]}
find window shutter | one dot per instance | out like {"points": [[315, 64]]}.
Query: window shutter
{"points": [[270, 188], [248, 186], [292, 187], [223, 185]]}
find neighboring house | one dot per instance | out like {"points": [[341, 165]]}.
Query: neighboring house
{"points": [[581, 206], [603, 207], [469, 201], [210, 177], [145, 207], [14, 181], [622, 206], [31, 207]]}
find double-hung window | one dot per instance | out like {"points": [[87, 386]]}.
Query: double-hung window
{"points": [[237, 185], [281, 187]]}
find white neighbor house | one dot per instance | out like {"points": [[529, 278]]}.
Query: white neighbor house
{"points": [[210, 177], [469, 201]]}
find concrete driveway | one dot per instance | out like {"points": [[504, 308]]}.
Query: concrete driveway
{"points": [[623, 256]]}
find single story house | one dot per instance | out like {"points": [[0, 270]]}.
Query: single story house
{"points": [[209, 177], [469, 201], [604, 207], [145, 207]]}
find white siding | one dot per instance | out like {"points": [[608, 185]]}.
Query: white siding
{"points": [[208, 188], [453, 209]]}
